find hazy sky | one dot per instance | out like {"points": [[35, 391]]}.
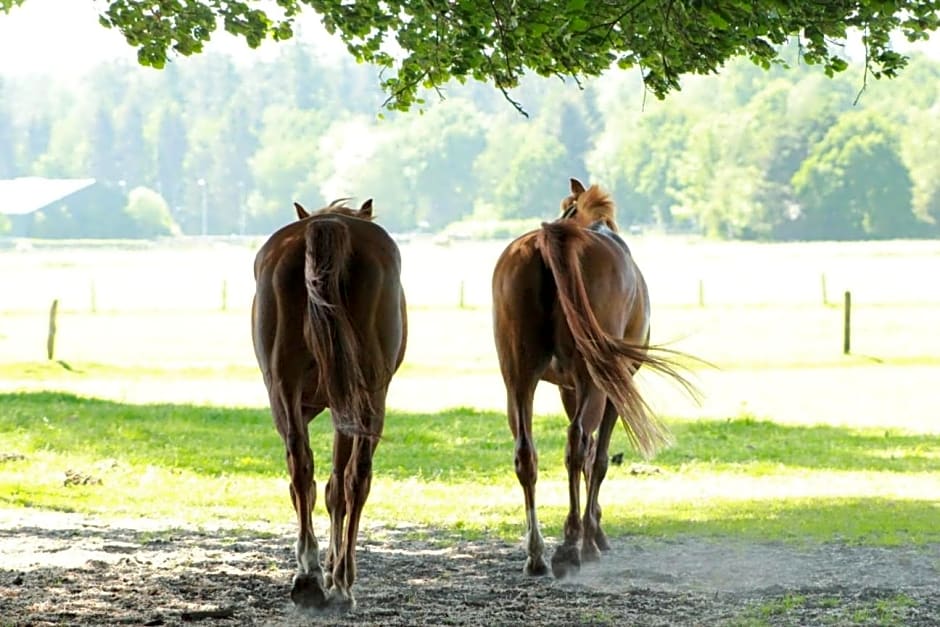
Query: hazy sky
{"points": [[61, 36], [65, 38]]}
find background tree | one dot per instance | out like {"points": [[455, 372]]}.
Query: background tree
{"points": [[148, 214], [131, 148], [921, 154], [230, 170], [169, 142], [499, 41], [518, 171], [285, 164], [638, 157], [719, 156], [444, 144], [854, 184], [8, 160], [102, 158]]}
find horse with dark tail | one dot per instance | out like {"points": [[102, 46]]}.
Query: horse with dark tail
{"points": [[329, 330]]}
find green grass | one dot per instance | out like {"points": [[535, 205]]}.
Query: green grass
{"points": [[453, 471], [59, 370], [462, 443], [797, 609], [783, 605]]}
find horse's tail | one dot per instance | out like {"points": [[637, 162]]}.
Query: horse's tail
{"points": [[330, 333], [611, 361]]}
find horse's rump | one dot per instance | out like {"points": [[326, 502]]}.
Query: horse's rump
{"points": [[610, 360], [331, 335]]}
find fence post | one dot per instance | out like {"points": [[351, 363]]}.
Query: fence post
{"points": [[825, 292], [847, 325], [224, 294], [701, 293], [460, 301], [50, 340], [93, 294]]}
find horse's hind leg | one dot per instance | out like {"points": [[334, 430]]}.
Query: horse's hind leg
{"points": [[567, 557], [356, 484], [336, 501], [594, 540], [526, 462], [308, 588]]}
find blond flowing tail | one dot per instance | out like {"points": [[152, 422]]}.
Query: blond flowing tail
{"points": [[330, 334], [611, 361]]}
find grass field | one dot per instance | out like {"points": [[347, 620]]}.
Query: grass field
{"points": [[738, 476], [793, 440]]}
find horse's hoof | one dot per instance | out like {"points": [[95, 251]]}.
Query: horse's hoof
{"points": [[590, 552], [342, 599], [308, 592], [535, 567], [566, 562], [600, 539]]}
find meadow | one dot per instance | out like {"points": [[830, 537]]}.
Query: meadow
{"points": [[155, 394]]}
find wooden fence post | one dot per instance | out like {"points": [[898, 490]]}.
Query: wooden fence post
{"points": [[825, 292], [701, 293], [847, 325], [50, 340], [93, 297], [460, 301], [224, 294]]}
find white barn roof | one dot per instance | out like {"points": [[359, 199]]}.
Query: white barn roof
{"points": [[26, 194]]}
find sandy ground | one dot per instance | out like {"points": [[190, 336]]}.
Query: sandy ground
{"points": [[58, 569]]}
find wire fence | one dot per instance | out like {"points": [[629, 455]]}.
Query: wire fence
{"points": [[172, 296]]}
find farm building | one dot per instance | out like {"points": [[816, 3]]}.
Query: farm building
{"points": [[46, 207]]}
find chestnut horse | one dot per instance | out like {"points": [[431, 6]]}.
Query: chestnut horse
{"points": [[329, 330], [571, 307]]}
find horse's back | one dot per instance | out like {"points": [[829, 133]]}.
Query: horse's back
{"points": [[523, 300], [529, 323], [374, 293], [614, 281]]}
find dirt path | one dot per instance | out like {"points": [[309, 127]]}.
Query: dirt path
{"points": [[68, 569]]}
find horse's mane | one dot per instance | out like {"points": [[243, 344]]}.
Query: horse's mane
{"points": [[594, 205], [338, 206], [589, 206]]}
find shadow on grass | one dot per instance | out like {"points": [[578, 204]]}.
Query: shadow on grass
{"points": [[459, 444]]}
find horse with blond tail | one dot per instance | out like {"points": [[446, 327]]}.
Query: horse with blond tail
{"points": [[329, 330], [571, 307]]}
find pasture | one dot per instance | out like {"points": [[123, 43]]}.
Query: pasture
{"points": [[155, 408]]}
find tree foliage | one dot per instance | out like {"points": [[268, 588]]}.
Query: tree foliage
{"points": [[746, 154], [425, 44], [149, 214], [854, 184]]}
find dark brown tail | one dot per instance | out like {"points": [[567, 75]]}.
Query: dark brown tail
{"points": [[331, 336], [611, 361]]}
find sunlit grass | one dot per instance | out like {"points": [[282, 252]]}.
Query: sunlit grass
{"points": [[453, 471], [128, 332]]}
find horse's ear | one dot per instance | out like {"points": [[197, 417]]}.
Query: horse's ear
{"points": [[301, 212], [365, 211], [576, 186]]}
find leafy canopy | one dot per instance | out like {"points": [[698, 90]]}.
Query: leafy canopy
{"points": [[424, 44]]}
